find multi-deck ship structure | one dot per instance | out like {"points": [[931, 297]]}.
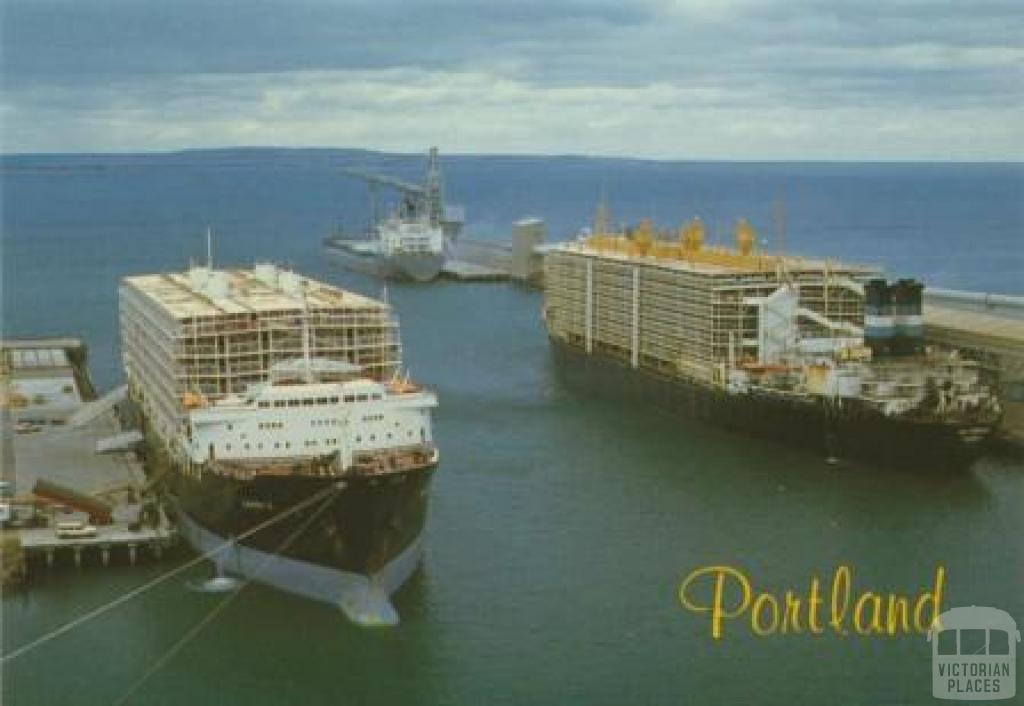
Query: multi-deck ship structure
{"points": [[291, 446], [411, 243], [814, 351]]}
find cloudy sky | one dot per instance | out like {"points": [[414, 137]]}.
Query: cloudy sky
{"points": [[690, 79]]}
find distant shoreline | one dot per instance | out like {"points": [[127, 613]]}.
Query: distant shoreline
{"points": [[258, 152]]}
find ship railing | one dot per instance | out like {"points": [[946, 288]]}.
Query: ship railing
{"points": [[394, 460], [326, 465]]}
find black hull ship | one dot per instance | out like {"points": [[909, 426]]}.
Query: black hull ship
{"points": [[352, 540], [815, 353], [312, 475], [843, 430]]}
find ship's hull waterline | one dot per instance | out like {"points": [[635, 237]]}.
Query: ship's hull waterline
{"points": [[848, 430], [415, 267], [353, 546]]}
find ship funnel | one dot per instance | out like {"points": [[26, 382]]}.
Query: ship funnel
{"points": [[289, 282], [267, 273], [746, 236], [212, 283], [878, 318]]}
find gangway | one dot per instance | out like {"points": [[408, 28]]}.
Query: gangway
{"points": [[125, 441], [91, 410]]}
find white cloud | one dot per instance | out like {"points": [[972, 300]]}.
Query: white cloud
{"points": [[476, 111], [665, 78]]}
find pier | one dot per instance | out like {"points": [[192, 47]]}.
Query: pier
{"points": [[521, 260], [990, 329], [73, 487]]}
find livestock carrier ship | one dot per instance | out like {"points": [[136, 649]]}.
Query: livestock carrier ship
{"points": [[289, 444], [414, 241], [812, 351]]}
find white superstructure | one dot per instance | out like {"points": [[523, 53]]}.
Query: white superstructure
{"points": [[215, 333], [399, 236], [289, 418]]}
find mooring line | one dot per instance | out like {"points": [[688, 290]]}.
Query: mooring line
{"points": [[219, 608], [160, 579]]}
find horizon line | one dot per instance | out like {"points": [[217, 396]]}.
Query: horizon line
{"points": [[521, 155]]}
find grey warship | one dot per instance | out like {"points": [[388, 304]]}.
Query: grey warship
{"points": [[413, 242]]}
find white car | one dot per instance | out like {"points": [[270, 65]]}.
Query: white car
{"points": [[75, 530]]}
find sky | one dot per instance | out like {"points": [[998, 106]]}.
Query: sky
{"points": [[663, 79]]}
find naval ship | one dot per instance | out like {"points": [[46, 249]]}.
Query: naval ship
{"points": [[816, 352], [414, 241], [290, 447]]}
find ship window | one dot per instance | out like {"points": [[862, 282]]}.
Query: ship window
{"points": [[321, 400], [377, 397], [287, 444], [247, 447], [373, 437], [264, 405], [279, 403], [259, 446], [359, 439], [230, 427], [293, 403], [308, 402], [334, 400], [350, 398], [361, 398], [277, 444], [227, 447]]}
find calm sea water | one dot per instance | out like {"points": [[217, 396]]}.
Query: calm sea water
{"points": [[562, 522]]}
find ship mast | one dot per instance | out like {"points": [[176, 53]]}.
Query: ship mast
{"points": [[307, 358], [434, 189], [779, 216], [603, 215]]}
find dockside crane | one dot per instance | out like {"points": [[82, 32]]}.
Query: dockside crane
{"points": [[427, 199]]}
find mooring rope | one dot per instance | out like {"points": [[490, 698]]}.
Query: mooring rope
{"points": [[164, 577], [219, 608]]}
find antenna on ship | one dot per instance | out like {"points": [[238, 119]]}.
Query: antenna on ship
{"points": [[307, 358], [434, 189], [603, 215], [779, 216], [209, 248]]}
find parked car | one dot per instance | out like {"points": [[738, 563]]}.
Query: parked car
{"points": [[75, 530]]}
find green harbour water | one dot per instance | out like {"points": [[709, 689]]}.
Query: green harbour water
{"points": [[562, 523]]}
